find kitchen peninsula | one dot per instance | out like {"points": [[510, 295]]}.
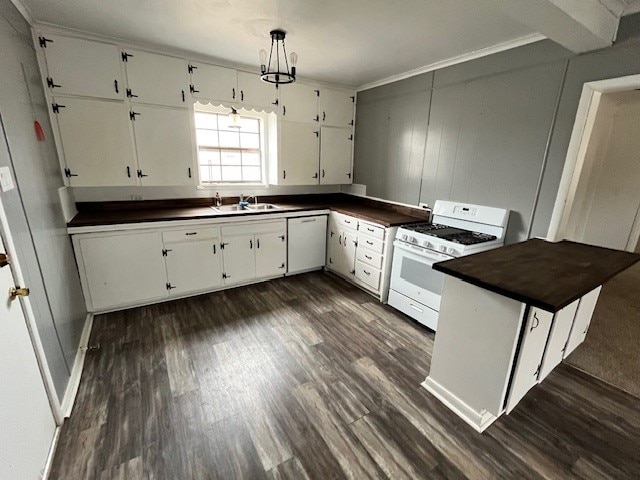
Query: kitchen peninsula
{"points": [[526, 307]]}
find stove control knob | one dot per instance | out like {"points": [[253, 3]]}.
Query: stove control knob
{"points": [[413, 240], [427, 244], [443, 248], [451, 251], [403, 237]]}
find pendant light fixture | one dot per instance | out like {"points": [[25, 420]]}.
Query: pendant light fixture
{"points": [[234, 118], [276, 69]]}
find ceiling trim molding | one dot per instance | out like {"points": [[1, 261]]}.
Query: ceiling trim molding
{"points": [[465, 57], [24, 11]]}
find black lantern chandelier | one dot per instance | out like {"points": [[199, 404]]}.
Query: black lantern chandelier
{"points": [[277, 69]]}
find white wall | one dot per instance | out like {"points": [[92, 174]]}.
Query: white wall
{"points": [[608, 193]]}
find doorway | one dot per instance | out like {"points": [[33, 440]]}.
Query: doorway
{"points": [[599, 204]]}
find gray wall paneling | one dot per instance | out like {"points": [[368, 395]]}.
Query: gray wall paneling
{"points": [[34, 211]]}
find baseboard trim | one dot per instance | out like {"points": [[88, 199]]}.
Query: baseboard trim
{"points": [[480, 421], [52, 451], [78, 365]]}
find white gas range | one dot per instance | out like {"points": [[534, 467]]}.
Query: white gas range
{"points": [[458, 229]]}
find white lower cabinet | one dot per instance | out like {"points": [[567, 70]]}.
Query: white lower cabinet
{"points": [[193, 266], [271, 254], [239, 259], [121, 269], [361, 252], [582, 320]]}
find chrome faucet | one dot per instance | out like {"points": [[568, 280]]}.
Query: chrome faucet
{"points": [[218, 200], [246, 199]]}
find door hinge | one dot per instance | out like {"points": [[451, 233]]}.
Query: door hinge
{"points": [[68, 174], [351, 123], [317, 93], [56, 107], [125, 56], [169, 286], [140, 174], [50, 83], [353, 99], [224, 276], [282, 237], [330, 260], [282, 265], [130, 94], [352, 272], [43, 41], [132, 116], [222, 244], [192, 89], [348, 175], [191, 68], [165, 251], [350, 137]]}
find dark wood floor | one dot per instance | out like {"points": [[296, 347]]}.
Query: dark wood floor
{"points": [[308, 377]]}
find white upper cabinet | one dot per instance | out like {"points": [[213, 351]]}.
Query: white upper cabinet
{"points": [[96, 142], [211, 82], [336, 107], [163, 144], [156, 79], [299, 103], [335, 155], [255, 92], [82, 67], [298, 154]]}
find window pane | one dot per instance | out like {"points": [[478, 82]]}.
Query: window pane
{"points": [[250, 140], [205, 173], [251, 125], [251, 174], [224, 123], [230, 139], [206, 120], [231, 174], [207, 138], [211, 157], [216, 174], [250, 158], [230, 157]]}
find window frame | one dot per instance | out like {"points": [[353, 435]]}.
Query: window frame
{"points": [[266, 124]]}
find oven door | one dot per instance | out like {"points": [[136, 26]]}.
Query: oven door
{"points": [[412, 275]]}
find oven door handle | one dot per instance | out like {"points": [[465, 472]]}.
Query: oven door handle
{"points": [[422, 253]]}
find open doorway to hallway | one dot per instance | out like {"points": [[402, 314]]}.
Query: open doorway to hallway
{"points": [[604, 210]]}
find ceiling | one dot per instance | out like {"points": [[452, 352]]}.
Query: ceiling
{"points": [[352, 42]]}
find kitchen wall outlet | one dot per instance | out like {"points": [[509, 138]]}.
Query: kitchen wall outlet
{"points": [[6, 182]]}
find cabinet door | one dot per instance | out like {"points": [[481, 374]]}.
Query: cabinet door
{"points": [[336, 107], [562, 322], [83, 67], [529, 360], [97, 142], [271, 254], [156, 79], [211, 82], [298, 155], [299, 103], [123, 269], [255, 92], [335, 250], [163, 144], [193, 266], [349, 243], [335, 155], [582, 320], [238, 259]]}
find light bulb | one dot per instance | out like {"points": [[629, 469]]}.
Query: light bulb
{"points": [[263, 57], [234, 117], [294, 59]]}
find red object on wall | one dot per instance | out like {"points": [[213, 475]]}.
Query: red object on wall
{"points": [[39, 131]]}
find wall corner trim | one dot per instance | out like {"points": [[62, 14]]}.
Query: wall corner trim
{"points": [[465, 57]]}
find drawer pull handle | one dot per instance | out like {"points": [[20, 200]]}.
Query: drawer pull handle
{"points": [[308, 220], [369, 242], [537, 320], [191, 233], [415, 307], [370, 229], [366, 273], [347, 221], [367, 257]]}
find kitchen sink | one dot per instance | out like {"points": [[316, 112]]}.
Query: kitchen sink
{"points": [[263, 206], [231, 209]]}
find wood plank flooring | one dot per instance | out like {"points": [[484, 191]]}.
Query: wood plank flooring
{"points": [[309, 378]]}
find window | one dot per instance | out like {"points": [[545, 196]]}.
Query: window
{"points": [[229, 153]]}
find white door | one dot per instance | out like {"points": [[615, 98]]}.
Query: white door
{"points": [[336, 107], [83, 67], [529, 359], [27, 422], [271, 254], [212, 82], [123, 269], [239, 259], [163, 144], [306, 243], [299, 103], [193, 266], [156, 79], [582, 321], [335, 155], [298, 154], [97, 142], [255, 92]]}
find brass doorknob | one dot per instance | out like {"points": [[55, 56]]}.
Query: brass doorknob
{"points": [[4, 260], [18, 292]]}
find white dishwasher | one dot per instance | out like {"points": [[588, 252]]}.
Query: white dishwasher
{"points": [[307, 245]]}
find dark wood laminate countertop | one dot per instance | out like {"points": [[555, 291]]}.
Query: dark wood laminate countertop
{"points": [[540, 273], [114, 213]]}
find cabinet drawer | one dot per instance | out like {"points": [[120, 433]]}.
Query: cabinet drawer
{"points": [[369, 257], [196, 233], [367, 275], [344, 221], [374, 231], [374, 244]]}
